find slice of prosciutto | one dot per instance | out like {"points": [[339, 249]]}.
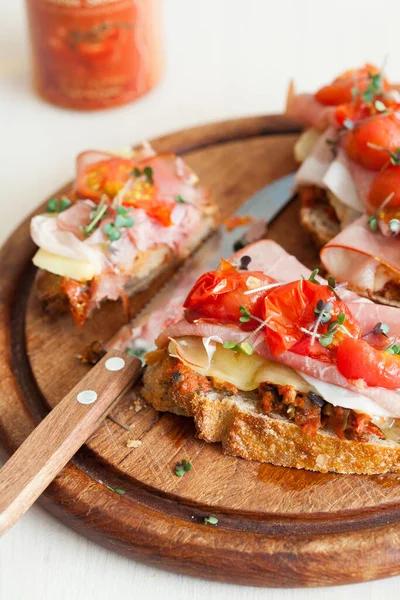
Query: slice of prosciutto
{"points": [[273, 260], [306, 109], [366, 260]]}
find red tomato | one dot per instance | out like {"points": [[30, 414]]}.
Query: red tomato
{"points": [[108, 177], [218, 295], [354, 111], [104, 177], [384, 184], [383, 131], [356, 359], [340, 90], [290, 307]]}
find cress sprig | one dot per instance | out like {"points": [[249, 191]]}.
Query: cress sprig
{"points": [[56, 205]]}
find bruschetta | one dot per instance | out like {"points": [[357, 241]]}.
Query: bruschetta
{"points": [[125, 218], [283, 367]]}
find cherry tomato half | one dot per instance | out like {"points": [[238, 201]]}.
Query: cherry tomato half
{"points": [[108, 177], [384, 184], [340, 90], [382, 131], [218, 295], [290, 308], [356, 359]]}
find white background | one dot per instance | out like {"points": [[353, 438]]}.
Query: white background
{"points": [[225, 58]]}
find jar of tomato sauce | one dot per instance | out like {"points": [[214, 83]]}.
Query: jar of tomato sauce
{"points": [[91, 54]]}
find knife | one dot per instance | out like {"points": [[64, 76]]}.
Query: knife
{"points": [[56, 439]]}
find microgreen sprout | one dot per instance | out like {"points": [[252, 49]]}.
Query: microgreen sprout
{"points": [[313, 276], [116, 490], [147, 172], [373, 220], [323, 311], [95, 217], [378, 329], [244, 263], [137, 352], [244, 347], [211, 521], [182, 467], [180, 200], [56, 205], [394, 348]]}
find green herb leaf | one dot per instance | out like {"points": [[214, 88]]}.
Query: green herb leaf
{"points": [[246, 348], [325, 340], [373, 223], [180, 200], [211, 521], [230, 345], [341, 318], [95, 216], [123, 221], [393, 349], [122, 210], [332, 282], [137, 352], [136, 172], [64, 203], [116, 490], [383, 328], [313, 276], [182, 467], [52, 205], [148, 172], [111, 232]]}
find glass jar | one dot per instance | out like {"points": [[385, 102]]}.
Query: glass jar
{"points": [[93, 54]]}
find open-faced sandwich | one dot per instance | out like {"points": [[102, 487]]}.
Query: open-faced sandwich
{"points": [[124, 219], [349, 179], [283, 367]]}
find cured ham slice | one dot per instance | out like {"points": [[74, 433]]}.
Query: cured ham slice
{"points": [[335, 172], [364, 259], [306, 109]]}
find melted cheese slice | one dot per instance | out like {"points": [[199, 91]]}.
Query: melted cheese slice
{"points": [[81, 270], [247, 372]]}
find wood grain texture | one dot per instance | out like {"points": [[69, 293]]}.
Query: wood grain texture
{"points": [[61, 433], [277, 526]]}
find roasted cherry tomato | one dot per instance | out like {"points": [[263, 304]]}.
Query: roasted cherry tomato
{"points": [[386, 182], [382, 131], [290, 308], [218, 295], [340, 90], [108, 177], [356, 359]]}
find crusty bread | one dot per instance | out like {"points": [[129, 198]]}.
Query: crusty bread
{"points": [[237, 422], [318, 224], [147, 266]]}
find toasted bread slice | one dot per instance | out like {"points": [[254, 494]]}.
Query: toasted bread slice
{"points": [[239, 424], [318, 224]]}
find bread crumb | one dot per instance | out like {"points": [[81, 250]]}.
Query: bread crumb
{"points": [[136, 406], [134, 443]]}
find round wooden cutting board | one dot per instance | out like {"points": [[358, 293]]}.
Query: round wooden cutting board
{"points": [[276, 526]]}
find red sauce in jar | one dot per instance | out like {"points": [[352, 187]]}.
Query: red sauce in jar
{"points": [[92, 54]]}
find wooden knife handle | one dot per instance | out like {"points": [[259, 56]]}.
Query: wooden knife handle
{"points": [[56, 439]]}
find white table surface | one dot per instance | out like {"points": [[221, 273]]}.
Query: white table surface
{"points": [[226, 58]]}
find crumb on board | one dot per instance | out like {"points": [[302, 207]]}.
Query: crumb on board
{"points": [[137, 406], [134, 443]]}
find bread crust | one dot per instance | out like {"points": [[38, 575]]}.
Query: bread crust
{"points": [[237, 422]]}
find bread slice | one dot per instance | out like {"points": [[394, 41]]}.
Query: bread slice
{"points": [[147, 266], [318, 224], [238, 423]]}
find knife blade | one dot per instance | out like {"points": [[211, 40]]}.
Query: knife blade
{"points": [[56, 439], [166, 306]]}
